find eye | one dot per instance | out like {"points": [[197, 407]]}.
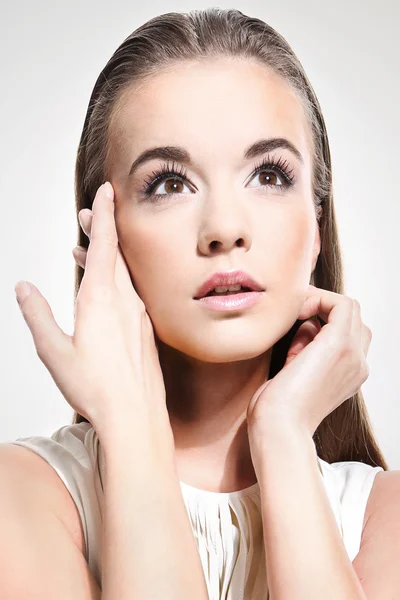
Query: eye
{"points": [[268, 178], [173, 185], [168, 176], [274, 174], [169, 179]]}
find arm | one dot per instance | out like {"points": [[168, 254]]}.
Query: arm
{"points": [[376, 563], [40, 558], [305, 555], [149, 550], [109, 372], [324, 367]]}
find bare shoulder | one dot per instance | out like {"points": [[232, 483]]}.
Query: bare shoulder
{"points": [[376, 563], [385, 492], [29, 479]]}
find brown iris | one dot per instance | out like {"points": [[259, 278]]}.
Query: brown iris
{"points": [[174, 183]]}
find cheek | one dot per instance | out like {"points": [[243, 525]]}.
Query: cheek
{"points": [[287, 267], [288, 250], [151, 257], [162, 258]]}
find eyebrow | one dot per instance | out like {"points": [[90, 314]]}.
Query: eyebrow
{"points": [[179, 154]]}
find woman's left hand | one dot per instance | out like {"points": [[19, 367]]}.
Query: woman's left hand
{"points": [[324, 366]]}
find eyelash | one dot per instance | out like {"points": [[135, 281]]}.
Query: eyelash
{"points": [[166, 172]]}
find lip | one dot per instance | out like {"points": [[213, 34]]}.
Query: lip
{"points": [[231, 302], [228, 278]]}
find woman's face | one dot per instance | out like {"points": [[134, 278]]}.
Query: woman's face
{"points": [[215, 214]]}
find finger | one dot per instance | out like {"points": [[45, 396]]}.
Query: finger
{"points": [[359, 329], [357, 324], [304, 335], [331, 307], [307, 331], [102, 252], [79, 254], [366, 339], [123, 279], [85, 219], [49, 339], [122, 275]]}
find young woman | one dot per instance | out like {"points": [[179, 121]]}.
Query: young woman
{"points": [[220, 446]]}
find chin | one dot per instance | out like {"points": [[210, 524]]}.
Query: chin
{"points": [[222, 349], [225, 340]]}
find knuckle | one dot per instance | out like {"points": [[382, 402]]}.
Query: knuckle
{"points": [[356, 304], [334, 342], [142, 308], [107, 238], [348, 302], [347, 346], [368, 331], [364, 371], [110, 240], [45, 349], [101, 294], [40, 350]]}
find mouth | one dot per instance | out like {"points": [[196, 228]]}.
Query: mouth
{"points": [[220, 291], [228, 283], [231, 300]]}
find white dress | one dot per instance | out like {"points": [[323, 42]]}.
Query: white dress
{"points": [[227, 526]]}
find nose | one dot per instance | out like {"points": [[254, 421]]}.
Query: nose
{"points": [[223, 227]]}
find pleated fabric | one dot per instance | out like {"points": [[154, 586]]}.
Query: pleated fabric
{"points": [[227, 526], [228, 532]]}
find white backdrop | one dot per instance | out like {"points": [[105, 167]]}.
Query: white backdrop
{"points": [[51, 55]]}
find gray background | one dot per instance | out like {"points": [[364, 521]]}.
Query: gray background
{"points": [[51, 55]]}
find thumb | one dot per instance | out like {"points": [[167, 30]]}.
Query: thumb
{"points": [[49, 339]]}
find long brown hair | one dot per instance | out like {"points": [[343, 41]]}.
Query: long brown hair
{"points": [[346, 433]]}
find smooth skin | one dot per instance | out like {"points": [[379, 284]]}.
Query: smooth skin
{"points": [[42, 547], [219, 217], [194, 231], [102, 380], [109, 368], [345, 343], [210, 380]]}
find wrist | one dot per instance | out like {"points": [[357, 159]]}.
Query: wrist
{"points": [[276, 422], [277, 436], [144, 459], [137, 434]]}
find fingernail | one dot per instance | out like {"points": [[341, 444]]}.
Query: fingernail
{"points": [[108, 190], [22, 290]]}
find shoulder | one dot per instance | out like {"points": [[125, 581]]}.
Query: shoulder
{"points": [[376, 564], [351, 482], [348, 485], [35, 471], [37, 517], [383, 499]]}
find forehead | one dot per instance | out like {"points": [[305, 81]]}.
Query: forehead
{"points": [[210, 107]]}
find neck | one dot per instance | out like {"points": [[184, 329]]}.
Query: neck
{"points": [[207, 405]]}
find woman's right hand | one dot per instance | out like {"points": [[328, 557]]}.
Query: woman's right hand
{"points": [[108, 370]]}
